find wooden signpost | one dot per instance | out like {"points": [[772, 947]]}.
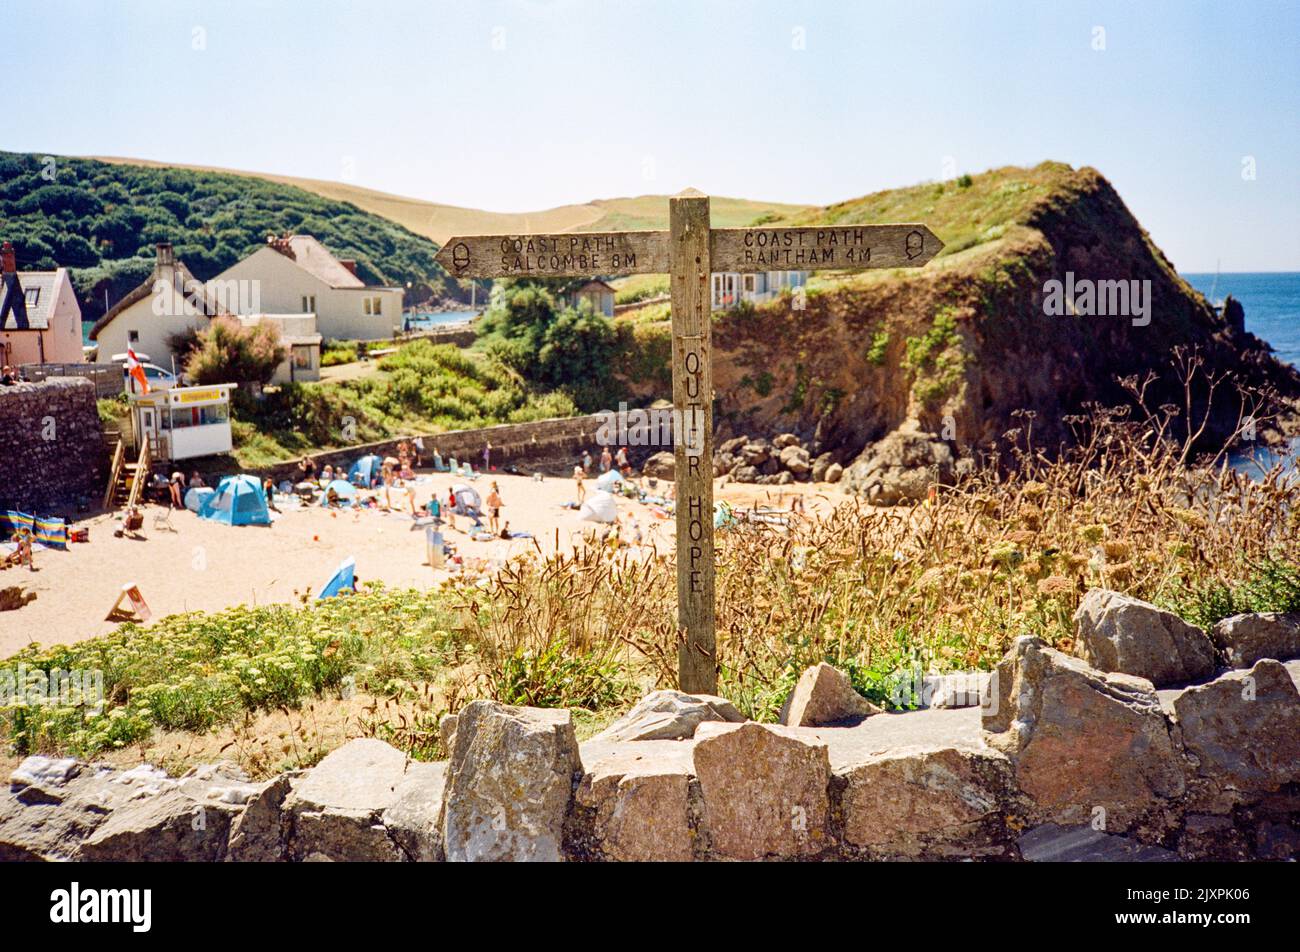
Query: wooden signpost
{"points": [[690, 251]]}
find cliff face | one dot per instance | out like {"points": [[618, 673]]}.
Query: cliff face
{"points": [[954, 350]]}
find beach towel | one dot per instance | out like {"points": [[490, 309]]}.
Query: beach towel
{"points": [[342, 581], [52, 532]]}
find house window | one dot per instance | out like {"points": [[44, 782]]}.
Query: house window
{"points": [[133, 337], [749, 283], [308, 303], [374, 305], [32, 295]]}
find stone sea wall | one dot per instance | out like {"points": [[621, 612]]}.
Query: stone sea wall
{"points": [[1053, 759], [51, 445]]}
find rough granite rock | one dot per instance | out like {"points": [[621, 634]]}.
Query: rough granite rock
{"points": [[1051, 843], [1243, 728], [1080, 740], [662, 465], [336, 809], [509, 783], [669, 715], [824, 695], [412, 819], [820, 465], [926, 801], [1244, 639], [795, 460], [447, 731], [258, 834], [51, 806], [184, 820], [900, 468], [1122, 634], [958, 689], [638, 795], [764, 790], [834, 473]]}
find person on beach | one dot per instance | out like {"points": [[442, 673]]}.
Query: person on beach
{"points": [[196, 480], [494, 508], [620, 458], [451, 508], [268, 487], [578, 473], [487, 458], [176, 486], [606, 460], [306, 470], [586, 461]]}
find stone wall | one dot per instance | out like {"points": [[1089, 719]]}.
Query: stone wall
{"points": [[549, 446], [1056, 760], [51, 445]]}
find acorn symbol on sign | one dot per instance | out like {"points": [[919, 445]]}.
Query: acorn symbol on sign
{"points": [[460, 256], [915, 242]]}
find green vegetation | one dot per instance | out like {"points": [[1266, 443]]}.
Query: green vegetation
{"points": [[878, 349], [421, 388], [639, 287], [228, 351], [1269, 585], [935, 359], [552, 345], [880, 598], [102, 220], [969, 211]]}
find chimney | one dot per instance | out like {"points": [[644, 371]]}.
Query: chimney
{"points": [[7, 257], [166, 257], [350, 264]]}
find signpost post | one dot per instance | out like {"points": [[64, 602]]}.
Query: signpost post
{"points": [[690, 252]]}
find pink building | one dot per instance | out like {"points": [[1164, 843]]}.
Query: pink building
{"points": [[40, 319]]}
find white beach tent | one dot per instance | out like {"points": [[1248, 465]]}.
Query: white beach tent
{"points": [[599, 507], [609, 480], [467, 499]]}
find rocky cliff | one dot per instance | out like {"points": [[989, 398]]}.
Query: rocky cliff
{"points": [[940, 360]]}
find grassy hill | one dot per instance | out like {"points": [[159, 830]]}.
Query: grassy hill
{"points": [[438, 222], [102, 221]]}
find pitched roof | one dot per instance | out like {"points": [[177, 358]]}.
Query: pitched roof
{"points": [[195, 292], [27, 300], [314, 258]]}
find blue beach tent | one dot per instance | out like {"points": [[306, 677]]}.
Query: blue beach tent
{"points": [[365, 471], [238, 501], [344, 492], [343, 579]]}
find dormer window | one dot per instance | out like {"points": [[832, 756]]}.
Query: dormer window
{"points": [[32, 296]]}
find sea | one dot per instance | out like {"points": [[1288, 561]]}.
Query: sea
{"points": [[1272, 303], [420, 321]]}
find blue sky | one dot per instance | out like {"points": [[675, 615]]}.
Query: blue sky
{"points": [[516, 105]]}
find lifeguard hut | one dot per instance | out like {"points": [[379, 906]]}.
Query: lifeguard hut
{"points": [[182, 422]]}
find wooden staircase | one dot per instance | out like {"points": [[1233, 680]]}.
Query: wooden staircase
{"points": [[127, 480]]}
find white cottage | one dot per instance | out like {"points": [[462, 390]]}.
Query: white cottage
{"points": [[169, 302], [732, 287], [296, 274]]}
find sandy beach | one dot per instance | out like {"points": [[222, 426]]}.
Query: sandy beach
{"points": [[208, 566]]}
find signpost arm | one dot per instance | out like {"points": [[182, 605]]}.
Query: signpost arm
{"points": [[690, 273]]}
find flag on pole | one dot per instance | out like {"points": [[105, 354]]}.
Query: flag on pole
{"points": [[136, 370]]}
